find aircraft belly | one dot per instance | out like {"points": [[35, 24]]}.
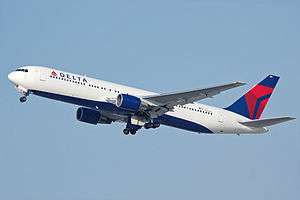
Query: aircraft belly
{"points": [[184, 120]]}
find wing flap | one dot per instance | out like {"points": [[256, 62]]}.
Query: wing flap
{"points": [[267, 122]]}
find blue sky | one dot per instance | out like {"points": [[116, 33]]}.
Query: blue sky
{"points": [[160, 46]]}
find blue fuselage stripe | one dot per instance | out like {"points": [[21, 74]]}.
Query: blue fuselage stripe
{"points": [[109, 107]]}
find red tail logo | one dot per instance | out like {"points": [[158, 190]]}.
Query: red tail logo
{"points": [[257, 99], [53, 73], [253, 103]]}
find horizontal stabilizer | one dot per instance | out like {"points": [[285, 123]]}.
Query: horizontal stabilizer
{"points": [[266, 122]]}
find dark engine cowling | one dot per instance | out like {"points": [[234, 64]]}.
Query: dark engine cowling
{"points": [[88, 115], [129, 102]]}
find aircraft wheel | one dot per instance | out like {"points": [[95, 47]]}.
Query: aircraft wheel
{"points": [[126, 131], [23, 99], [156, 125], [148, 125], [132, 131]]}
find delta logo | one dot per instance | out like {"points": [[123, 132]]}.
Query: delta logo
{"points": [[53, 73], [68, 76]]}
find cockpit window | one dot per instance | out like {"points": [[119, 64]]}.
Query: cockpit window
{"points": [[22, 70]]}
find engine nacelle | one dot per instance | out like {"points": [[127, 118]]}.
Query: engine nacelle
{"points": [[129, 102], [88, 115]]}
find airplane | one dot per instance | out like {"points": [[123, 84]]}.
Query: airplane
{"points": [[102, 102]]}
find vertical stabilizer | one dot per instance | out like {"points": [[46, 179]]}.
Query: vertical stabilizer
{"points": [[253, 103]]}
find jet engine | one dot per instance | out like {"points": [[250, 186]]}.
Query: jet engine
{"points": [[88, 115], [91, 116], [129, 102]]}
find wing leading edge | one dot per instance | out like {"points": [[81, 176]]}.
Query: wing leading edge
{"points": [[190, 96], [163, 103]]}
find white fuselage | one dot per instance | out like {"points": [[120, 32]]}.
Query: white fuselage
{"points": [[61, 85]]}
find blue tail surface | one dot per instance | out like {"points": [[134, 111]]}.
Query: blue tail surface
{"points": [[253, 103]]}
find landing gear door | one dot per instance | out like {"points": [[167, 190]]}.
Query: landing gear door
{"points": [[43, 74]]}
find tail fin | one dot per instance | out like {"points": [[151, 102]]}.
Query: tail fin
{"points": [[253, 103]]}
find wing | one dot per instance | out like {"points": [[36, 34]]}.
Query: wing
{"points": [[165, 102]]}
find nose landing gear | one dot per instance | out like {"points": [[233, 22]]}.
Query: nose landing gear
{"points": [[25, 93], [23, 99]]}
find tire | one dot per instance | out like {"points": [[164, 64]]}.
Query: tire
{"points": [[156, 125], [147, 126], [23, 99], [126, 131], [132, 131]]}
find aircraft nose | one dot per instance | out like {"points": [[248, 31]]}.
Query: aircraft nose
{"points": [[12, 77]]}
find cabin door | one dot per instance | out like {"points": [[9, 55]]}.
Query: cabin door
{"points": [[43, 74]]}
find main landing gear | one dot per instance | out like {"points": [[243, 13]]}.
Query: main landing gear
{"points": [[152, 125], [132, 129]]}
